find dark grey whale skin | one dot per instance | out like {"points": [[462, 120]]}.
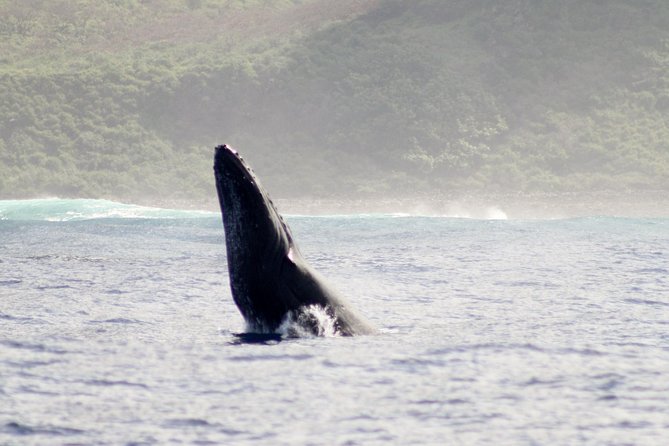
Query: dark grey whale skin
{"points": [[268, 276]]}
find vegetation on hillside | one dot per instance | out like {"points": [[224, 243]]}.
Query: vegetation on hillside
{"points": [[126, 98]]}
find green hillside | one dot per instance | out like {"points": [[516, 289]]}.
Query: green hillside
{"points": [[125, 99]]}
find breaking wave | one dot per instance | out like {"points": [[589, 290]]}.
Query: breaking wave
{"points": [[59, 209], [62, 210]]}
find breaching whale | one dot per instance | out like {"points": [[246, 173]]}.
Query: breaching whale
{"points": [[271, 282]]}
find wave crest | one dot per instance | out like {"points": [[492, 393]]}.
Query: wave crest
{"points": [[60, 209]]}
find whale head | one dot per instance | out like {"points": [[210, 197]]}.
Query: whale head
{"points": [[257, 239]]}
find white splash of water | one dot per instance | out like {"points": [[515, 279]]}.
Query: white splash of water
{"points": [[309, 321], [495, 213]]}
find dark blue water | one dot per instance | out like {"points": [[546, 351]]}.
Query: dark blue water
{"points": [[117, 327]]}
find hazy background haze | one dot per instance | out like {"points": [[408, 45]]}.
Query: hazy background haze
{"points": [[369, 99]]}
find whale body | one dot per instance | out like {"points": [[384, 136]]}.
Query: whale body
{"points": [[271, 283]]}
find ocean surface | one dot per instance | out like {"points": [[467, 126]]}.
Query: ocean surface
{"points": [[117, 327]]}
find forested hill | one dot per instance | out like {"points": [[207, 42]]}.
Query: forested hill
{"points": [[126, 99]]}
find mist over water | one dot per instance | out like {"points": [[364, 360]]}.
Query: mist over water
{"points": [[122, 330], [653, 204]]}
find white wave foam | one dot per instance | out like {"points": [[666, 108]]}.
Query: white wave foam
{"points": [[61, 210]]}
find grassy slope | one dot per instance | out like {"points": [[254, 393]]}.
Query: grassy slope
{"points": [[125, 99]]}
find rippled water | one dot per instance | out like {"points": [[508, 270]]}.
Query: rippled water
{"points": [[120, 329]]}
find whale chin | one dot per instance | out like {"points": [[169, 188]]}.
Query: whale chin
{"points": [[275, 289]]}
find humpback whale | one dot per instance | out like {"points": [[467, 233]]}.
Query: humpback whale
{"points": [[271, 282]]}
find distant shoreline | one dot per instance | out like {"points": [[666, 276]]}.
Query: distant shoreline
{"points": [[521, 205], [650, 204]]}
